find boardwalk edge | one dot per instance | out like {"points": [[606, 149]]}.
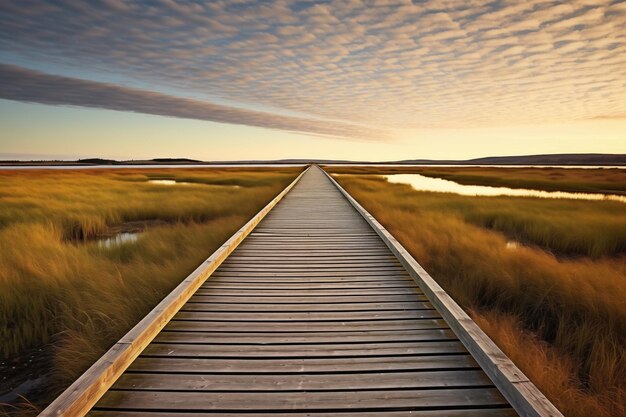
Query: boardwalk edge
{"points": [[522, 394], [81, 396]]}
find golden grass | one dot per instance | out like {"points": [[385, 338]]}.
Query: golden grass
{"points": [[554, 373], [577, 305], [602, 180], [59, 287]]}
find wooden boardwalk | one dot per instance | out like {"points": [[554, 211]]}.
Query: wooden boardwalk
{"points": [[311, 315]]}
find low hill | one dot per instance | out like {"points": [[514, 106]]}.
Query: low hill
{"points": [[550, 159]]}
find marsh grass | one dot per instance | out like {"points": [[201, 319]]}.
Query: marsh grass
{"points": [[567, 228], [575, 305], [554, 373], [59, 288]]}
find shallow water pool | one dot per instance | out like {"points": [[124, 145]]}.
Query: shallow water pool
{"points": [[423, 183]]}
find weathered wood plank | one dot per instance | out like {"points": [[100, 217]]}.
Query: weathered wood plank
{"points": [[294, 338], [245, 401], [322, 263], [322, 350], [249, 366], [307, 316], [327, 299], [307, 326], [310, 259], [312, 273], [304, 268], [342, 292], [222, 284], [297, 382], [214, 305], [356, 280], [471, 412]]}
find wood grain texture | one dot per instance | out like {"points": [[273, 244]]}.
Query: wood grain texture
{"points": [[468, 412], [278, 401]]}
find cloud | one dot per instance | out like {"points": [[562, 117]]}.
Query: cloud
{"points": [[610, 117], [22, 84], [389, 64]]}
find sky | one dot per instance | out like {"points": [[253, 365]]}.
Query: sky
{"points": [[345, 79]]}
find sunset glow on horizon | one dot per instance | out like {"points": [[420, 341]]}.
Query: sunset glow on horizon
{"points": [[356, 80]]}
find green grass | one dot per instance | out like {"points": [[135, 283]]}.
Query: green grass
{"points": [[61, 289], [604, 180], [575, 305]]}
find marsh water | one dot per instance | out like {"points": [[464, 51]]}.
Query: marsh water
{"points": [[118, 239], [33, 366], [168, 182], [423, 183]]}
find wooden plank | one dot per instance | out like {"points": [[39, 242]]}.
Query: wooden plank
{"points": [[309, 401], [318, 239], [322, 350], [89, 387], [310, 273], [523, 395], [291, 338], [323, 262], [305, 267], [305, 286], [355, 253], [327, 299], [322, 243], [288, 292], [307, 247], [307, 315], [311, 235], [307, 326], [285, 259], [312, 252], [350, 280], [334, 255], [470, 412], [249, 366], [271, 258], [298, 382], [214, 305], [355, 267]]}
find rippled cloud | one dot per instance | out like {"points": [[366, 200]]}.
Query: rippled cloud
{"points": [[386, 64]]}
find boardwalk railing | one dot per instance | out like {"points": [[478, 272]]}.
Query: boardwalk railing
{"points": [[79, 397], [523, 395]]}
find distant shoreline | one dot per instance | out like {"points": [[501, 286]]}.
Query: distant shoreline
{"points": [[565, 160]]}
